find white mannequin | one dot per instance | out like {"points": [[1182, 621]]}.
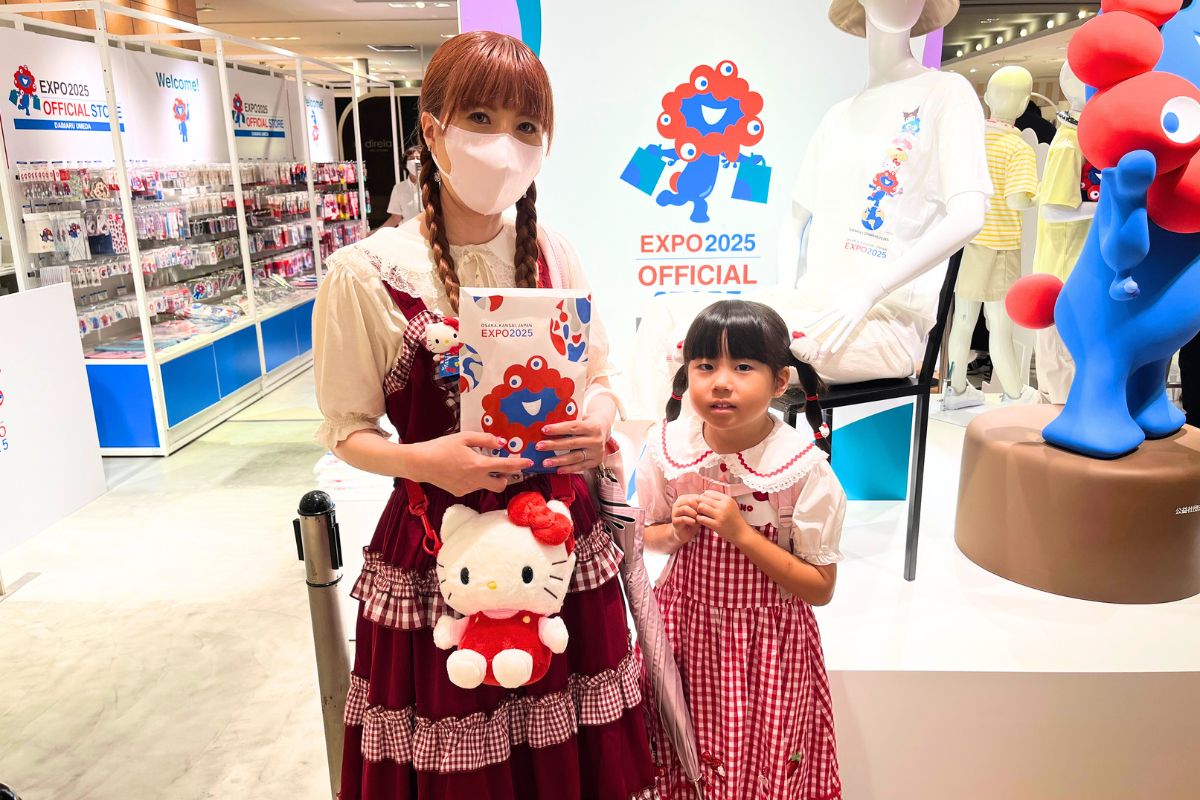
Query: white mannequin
{"points": [[1055, 367], [1006, 97], [1076, 94], [890, 59]]}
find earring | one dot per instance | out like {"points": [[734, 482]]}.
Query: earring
{"points": [[437, 177]]}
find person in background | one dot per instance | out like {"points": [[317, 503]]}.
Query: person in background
{"points": [[405, 202], [1189, 376]]}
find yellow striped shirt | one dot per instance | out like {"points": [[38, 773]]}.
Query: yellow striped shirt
{"points": [[1012, 166]]}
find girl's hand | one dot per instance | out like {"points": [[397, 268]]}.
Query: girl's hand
{"points": [[585, 438], [450, 463], [720, 513], [683, 517]]}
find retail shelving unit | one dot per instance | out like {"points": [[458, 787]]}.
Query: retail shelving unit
{"points": [[194, 280]]}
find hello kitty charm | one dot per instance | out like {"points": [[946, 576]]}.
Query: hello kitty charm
{"points": [[507, 572]]}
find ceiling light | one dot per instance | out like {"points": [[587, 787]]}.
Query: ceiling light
{"points": [[1082, 13], [989, 20], [996, 64], [1049, 23], [392, 48], [959, 53], [442, 5], [419, 5], [1024, 32], [999, 40], [277, 38], [978, 47], [448, 35], [972, 69]]}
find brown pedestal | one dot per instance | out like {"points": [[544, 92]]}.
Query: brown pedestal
{"points": [[1124, 531]]}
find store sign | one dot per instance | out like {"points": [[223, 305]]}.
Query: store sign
{"points": [[56, 106], [687, 184], [320, 123], [49, 452], [175, 109], [260, 107]]}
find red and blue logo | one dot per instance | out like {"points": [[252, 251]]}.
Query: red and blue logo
{"points": [[182, 115], [24, 93], [709, 124]]}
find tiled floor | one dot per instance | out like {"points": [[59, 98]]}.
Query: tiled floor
{"points": [[162, 648]]}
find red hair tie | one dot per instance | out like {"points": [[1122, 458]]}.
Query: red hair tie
{"points": [[529, 510], [812, 398], [676, 397]]}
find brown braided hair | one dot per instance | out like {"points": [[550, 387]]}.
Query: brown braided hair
{"points": [[742, 329], [482, 68]]}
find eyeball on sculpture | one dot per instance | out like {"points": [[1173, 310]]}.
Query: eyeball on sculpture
{"points": [[1181, 119], [727, 68], [664, 121], [689, 151], [701, 83]]}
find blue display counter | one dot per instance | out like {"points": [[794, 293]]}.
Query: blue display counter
{"points": [[202, 385]]}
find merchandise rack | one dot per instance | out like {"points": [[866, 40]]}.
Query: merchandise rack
{"points": [[158, 399]]}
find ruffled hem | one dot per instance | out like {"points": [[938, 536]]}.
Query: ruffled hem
{"points": [[336, 429], [466, 744], [408, 599]]}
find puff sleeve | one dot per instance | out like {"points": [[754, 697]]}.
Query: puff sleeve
{"points": [[655, 495], [818, 516]]}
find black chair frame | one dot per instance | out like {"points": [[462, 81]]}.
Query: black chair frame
{"points": [[919, 386]]}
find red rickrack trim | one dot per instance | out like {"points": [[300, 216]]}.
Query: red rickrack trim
{"points": [[673, 462], [418, 506], [773, 473]]}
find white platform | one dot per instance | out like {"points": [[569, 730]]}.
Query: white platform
{"points": [[964, 685]]}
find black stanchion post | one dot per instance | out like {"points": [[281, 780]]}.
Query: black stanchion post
{"points": [[319, 546]]}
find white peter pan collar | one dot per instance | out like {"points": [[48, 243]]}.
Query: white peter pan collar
{"points": [[779, 461]]}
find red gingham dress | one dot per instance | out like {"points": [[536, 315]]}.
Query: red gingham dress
{"points": [[750, 658]]}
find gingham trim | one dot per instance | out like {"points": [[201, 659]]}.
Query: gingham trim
{"points": [[414, 342], [398, 598], [597, 559], [465, 744], [407, 599]]}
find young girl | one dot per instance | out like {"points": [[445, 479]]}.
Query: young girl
{"points": [[579, 732], [751, 515]]}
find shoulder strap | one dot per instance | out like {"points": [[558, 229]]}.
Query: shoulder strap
{"points": [[409, 305], [550, 258], [784, 503]]}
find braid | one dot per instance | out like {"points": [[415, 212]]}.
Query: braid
{"points": [[525, 260], [813, 386], [678, 387], [435, 228]]}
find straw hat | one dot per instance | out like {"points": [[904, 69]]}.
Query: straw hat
{"points": [[850, 16]]}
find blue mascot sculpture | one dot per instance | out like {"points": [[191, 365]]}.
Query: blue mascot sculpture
{"points": [[1133, 298]]}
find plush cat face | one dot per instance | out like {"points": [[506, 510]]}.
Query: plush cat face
{"points": [[489, 563], [440, 337]]}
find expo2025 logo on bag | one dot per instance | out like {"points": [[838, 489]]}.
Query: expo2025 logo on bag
{"points": [[707, 121], [24, 93]]}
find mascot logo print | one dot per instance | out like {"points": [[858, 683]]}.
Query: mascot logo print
{"points": [[886, 183], [24, 93], [316, 129], [182, 115], [708, 121], [239, 114], [532, 396]]}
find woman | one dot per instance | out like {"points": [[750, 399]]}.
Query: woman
{"points": [[579, 732], [405, 202]]}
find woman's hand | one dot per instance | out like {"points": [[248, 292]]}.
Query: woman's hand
{"points": [[450, 462], [720, 513], [584, 438], [684, 513]]}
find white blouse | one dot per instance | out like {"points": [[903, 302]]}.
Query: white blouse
{"points": [[784, 459], [358, 331]]}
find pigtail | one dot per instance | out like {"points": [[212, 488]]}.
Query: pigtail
{"points": [[812, 385], [526, 257], [435, 228], [678, 387]]}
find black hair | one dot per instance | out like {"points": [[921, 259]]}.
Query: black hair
{"points": [[741, 329]]}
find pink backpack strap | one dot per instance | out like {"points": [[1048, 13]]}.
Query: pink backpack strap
{"points": [[552, 251]]}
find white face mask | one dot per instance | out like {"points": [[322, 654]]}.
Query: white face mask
{"points": [[491, 170], [413, 166]]}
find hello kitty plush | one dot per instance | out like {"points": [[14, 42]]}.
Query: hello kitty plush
{"points": [[507, 573], [441, 339]]}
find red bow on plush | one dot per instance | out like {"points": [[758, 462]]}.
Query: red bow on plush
{"points": [[529, 510]]}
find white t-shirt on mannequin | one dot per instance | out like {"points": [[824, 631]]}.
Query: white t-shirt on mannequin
{"points": [[878, 174]]}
